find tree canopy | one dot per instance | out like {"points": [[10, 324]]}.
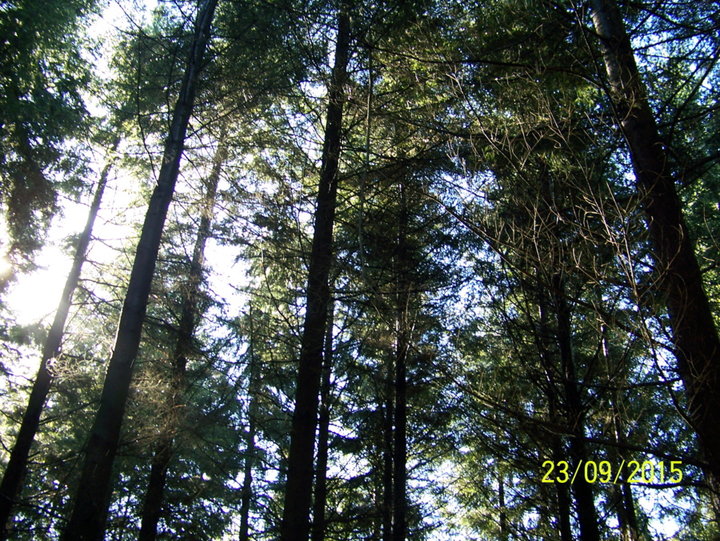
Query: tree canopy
{"points": [[360, 270]]}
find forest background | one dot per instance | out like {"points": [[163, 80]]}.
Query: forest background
{"points": [[308, 269]]}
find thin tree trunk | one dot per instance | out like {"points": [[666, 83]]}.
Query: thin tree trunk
{"points": [[542, 339], [152, 505], [90, 508], [298, 491], [320, 502], [584, 498], [697, 347], [621, 494], [377, 533], [563, 495], [624, 503], [564, 501], [17, 465], [387, 479], [246, 494], [400, 445], [502, 508], [402, 348], [550, 293]]}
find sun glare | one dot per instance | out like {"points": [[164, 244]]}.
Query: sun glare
{"points": [[34, 297], [5, 268]]}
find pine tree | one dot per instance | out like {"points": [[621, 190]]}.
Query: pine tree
{"points": [[298, 492], [91, 502], [695, 335], [15, 469]]}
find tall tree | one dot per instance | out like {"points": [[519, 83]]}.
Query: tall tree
{"points": [[15, 469], [152, 504], [92, 499], [298, 492], [695, 336]]}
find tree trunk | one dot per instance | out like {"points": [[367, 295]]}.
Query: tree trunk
{"points": [[90, 509], [542, 339], [697, 347], [246, 494], [583, 491], [387, 455], [253, 383], [503, 523], [563, 496], [298, 491], [621, 495], [152, 504], [320, 502], [402, 348], [15, 470]]}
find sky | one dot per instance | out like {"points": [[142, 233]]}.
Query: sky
{"points": [[34, 297]]}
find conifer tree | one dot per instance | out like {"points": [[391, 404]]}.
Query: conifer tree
{"points": [[92, 497], [15, 469], [41, 78], [695, 335]]}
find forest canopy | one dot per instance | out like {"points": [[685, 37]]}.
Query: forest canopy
{"points": [[332, 270]]}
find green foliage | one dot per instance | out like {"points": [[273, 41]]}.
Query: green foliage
{"points": [[483, 190], [41, 79]]}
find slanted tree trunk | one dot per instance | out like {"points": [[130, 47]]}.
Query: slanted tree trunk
{"points": [[17, 465], [320, 502], [152, 505], [298, 491], [697, 347], [90, 508]]}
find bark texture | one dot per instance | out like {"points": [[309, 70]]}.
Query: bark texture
{"points": [[90, 508]]}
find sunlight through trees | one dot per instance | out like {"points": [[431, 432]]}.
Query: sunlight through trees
{"points": [[333, 270]]}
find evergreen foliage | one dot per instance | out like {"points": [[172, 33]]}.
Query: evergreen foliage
{"points": [[362, 270]]}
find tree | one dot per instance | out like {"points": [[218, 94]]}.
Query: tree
{"points": [[42, 77], [15, 469], [432, 287], [93, 493], [695, 336], [298, 492], [183, 347]]}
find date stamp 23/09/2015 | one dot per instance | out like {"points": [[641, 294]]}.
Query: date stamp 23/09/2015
{"points": [[635, 471]]}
